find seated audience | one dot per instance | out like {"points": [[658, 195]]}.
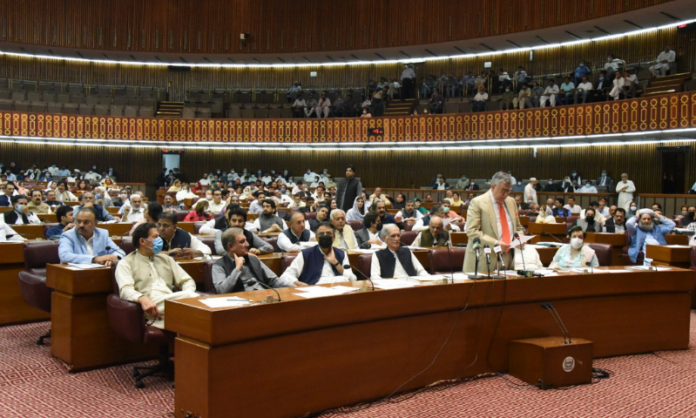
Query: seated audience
{"points": [[235, 217], [617, 223], [645, 228], [322, 263], [344, 237], [588, 223], [409, 215], [688, 217], [618, 85], [479, 103], [88, 200], [321, 217], [183, 194], [576, 254], [437, 101], [200, 213], [134, 210], [572, 207], [217, 204], [394, 261], [368, 237], [531, 259], [153, 211], [384, 217], [291, 239], [559, 210], [268, 221], [64, 194], [175, 187], [663, 61], [177, 242], [36, 205], [434, 235], [136, 282], [256, 207], [588, 188], [86, 243], [240, 271], [357, 212], [583, 90], [66, 218], [21, 214], [549, 94], [51, 200]]}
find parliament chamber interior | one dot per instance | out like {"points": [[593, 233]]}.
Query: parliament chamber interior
{"points": [[372, 208]]}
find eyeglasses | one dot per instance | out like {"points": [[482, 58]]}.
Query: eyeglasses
{"points": [[325, 234], [395, 236]]}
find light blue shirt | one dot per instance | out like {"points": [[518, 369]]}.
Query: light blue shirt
{"points": [[567, 87], [564, 259]]}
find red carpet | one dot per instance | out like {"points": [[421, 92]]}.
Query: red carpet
{"points": [[33, 384]]}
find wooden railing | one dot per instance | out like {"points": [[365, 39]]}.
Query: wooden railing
{"points": [[674, 111]]}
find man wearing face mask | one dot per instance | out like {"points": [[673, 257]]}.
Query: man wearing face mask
{"points": [[518, 186], [176, 241], [588, 223], [309, 176], [567, 186], [604, 181], [647, 227], [689, 217], [93, 175], [552, 187], [576, 254], [147, 277], [322, 263], [588, 188], [625, 188], [21, 214]]}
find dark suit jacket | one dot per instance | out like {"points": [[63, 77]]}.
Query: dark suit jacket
{"points": [[555, 187], [472, 186], [610, 226], [447, 186], [4, 200]]}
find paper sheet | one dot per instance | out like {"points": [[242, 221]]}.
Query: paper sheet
{"points": [[394, 283], [76, 266], [228, 302], [524, 238], [321, 291], [368, 251]]}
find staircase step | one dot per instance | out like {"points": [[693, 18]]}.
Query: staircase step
{"points": [[680, 76], [664, 88], [657, 93], [664, 83]]}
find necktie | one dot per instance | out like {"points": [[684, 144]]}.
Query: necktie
{"points": [[504, 224]]}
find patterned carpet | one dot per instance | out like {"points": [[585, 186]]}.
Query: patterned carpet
{"points": [[33, 384]]}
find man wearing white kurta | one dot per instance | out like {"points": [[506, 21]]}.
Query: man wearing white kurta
{"points": [[625, 189], [663, 61], [147, 277], [529, 190]]}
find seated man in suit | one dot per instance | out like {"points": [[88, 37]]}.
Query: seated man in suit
{"points": [[147, 277], [21, 214], [368, 237], [385, 217], [66, 220], [88, 200], [236, 217], [177, 242], [238, 271], [344, 235], [647, 227], [86, 243], [292, 238], [434, 235], [552, 187], [617, 223], [395, 260], [322, 263], [321, 217], [7, 193]]}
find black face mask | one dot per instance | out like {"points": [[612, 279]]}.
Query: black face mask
{"points": [[691, 215], [325, 241], [590, 219]]}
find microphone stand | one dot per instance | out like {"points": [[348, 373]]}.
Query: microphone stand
{"points": [[269, 299], [364, 288]]}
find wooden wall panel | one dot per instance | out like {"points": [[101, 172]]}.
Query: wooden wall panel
{"points": [[208, 26], [391, 168], [633, 49], [674, 111]]}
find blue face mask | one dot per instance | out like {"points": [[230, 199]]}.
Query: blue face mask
{"points": [[98, 195], [282, 191], [445, 209], [19, 208], [157, 245]]}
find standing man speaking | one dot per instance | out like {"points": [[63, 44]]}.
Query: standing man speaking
{"points": [[492, 217]]}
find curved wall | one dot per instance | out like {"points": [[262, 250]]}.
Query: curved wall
{"points": [[278, 26]]}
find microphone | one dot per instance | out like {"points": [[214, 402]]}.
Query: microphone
{"points": [[559, 322], [546, 234], [270, 298], [524, 272], [487, 251], [589, 264], [449, 257], [364, 289], [477, 250]]}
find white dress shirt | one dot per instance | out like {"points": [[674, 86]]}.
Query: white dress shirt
{"points": [[376, 269], [585, 86], [285, 245], [327, 275]]}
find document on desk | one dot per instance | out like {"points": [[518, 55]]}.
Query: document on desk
{"points": [[524, 238], [76, 266], [388, 284], [365, 251], [310, 292], [228, 302], [651, 268]]}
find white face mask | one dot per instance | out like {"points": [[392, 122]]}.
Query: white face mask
{"points": [[576, 243]]}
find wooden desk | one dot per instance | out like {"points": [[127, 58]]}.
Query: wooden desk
{"points": [[674, 239], [674, 255], [118, 229], [13, 309], [186, 226], [546, 254], [30, 231], [524, 220], [4, 209], [459, 238], [617, 242], [372, 342], [557, 230], [272, 261], [47, 217], [80, 332], [113, 210]]}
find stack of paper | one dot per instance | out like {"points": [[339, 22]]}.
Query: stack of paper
{"points": [[394, 283], [321, 291], [228, 302], [84, 266]]}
